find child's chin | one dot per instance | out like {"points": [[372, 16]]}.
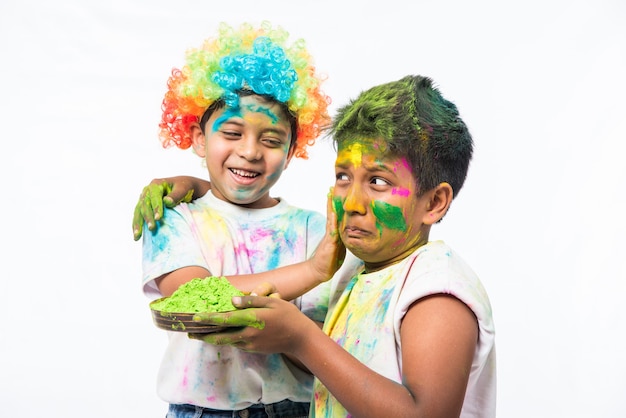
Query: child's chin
{"points": [[358, 250], [243, 198]]}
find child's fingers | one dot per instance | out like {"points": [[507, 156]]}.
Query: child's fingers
{"points": [[177, 194], [155, 192], [154, 196], [264, 289], [137, 224], [331, 215], [238, 318], [143, 213]]}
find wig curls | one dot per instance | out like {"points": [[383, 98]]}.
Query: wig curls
{"points": [[249, 58]]}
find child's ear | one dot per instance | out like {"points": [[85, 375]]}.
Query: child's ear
{"points": [[438, 204], [197, 140]]}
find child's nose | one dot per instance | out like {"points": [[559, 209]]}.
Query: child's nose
{"points": [[354, 201], [249, 149]]}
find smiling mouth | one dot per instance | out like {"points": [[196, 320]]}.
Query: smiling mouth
{"points": [[244, 173]]}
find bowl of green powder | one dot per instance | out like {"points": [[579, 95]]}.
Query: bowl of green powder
{"points": [[209, 294]]}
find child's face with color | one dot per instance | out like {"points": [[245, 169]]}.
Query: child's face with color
{"points": [[246, 150], [379, 213]]}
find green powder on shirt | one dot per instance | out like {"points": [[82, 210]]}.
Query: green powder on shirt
{"points": [[211, 294]]}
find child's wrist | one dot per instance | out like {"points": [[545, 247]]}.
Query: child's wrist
{"points": [[315, 276]]}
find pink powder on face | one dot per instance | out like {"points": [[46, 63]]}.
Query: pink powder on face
{"points": [[400, 191], [403, 163]]}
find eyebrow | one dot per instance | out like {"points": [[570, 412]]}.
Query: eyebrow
{"points": [[346, 162], [237, 120]]}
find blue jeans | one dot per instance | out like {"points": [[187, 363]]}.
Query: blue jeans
{"points": [[282, 409]]}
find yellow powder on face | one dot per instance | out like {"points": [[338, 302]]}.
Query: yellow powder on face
{"points": [[211, 294]]}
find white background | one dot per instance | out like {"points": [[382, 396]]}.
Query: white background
{"points": [[541, 218]]}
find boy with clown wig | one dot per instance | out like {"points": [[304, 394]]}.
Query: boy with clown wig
{"points": [[246, 102]]}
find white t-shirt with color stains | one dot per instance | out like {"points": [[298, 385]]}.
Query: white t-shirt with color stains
{"points": [[366, 311], [230, 240]]}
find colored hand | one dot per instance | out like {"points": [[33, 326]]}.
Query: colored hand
{"points": [[262, 324], [330, 252], [169, 192]]}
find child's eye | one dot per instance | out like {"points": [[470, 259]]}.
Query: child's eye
{"points": [[341, 177], [377, 181], [231, 134], [272, 142]]}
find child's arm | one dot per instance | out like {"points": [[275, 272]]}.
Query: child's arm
{"points": [[438, 336], [294, 280], [169, 192], [290, 281]]}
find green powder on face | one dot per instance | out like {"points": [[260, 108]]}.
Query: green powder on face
{"points": [[211, 294], [388, 216], [338, 207]]}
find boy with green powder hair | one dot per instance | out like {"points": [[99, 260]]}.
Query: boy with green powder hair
{"points": [[409, 330]]}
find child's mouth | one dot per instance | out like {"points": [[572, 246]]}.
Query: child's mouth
{"points": [[353, 231], [244, 173]]}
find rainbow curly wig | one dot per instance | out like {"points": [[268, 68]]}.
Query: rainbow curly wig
{"points": [[249, 58]]}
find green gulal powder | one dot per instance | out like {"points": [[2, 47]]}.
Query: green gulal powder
{"points": [[211, 294]]}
